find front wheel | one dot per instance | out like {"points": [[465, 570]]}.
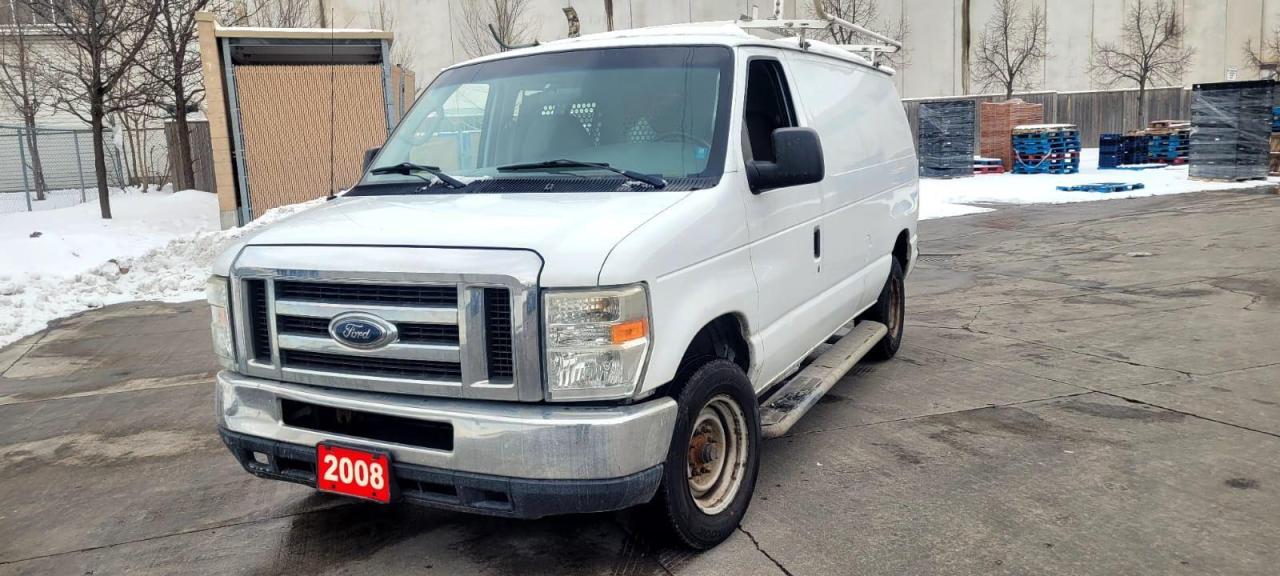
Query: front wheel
{"points": [[711, 466]]}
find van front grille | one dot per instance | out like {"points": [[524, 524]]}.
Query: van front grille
{"points": [[369, 366], [497, 334], [374, 294], [259, 332], [409, 332], [468, 334]]}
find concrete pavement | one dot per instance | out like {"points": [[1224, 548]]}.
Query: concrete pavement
{"points": [[1083, 389]]}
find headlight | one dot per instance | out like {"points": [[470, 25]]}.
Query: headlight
{"points": [[596, 341], [219, 294]]}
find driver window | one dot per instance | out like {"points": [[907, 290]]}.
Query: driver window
{"points": [[454, 130], [768, 107]]}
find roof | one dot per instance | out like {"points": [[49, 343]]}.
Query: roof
{"points": [[724, 33], [295, 33]]}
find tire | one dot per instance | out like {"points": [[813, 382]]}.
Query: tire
{"points": [[701, 511], [890, 309]]}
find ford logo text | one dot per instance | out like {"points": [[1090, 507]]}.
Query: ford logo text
{"points": [[363, 331]]}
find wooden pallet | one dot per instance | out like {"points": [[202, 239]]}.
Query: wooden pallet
{"points": [[1104, 187]]}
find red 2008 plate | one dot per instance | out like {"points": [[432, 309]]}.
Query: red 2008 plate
{"points": [[353, 472]]}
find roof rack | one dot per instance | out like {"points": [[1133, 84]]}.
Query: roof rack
{"points": [[822, 21]]}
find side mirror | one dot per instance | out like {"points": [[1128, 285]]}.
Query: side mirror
{"points": [[798, 160], [369, 155]]}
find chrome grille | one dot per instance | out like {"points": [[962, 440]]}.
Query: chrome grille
{"points": [[409, 369], [368, 294], [256, 291], [412, 333], [497, 333], [469, 334]]}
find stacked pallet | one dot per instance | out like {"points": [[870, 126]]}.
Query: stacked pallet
{"points": [[997, 122], [1169, 142], [1046, 149], [1275, 141], [946, 139], [1135, 148], [1110, 150], [1231, 130], [987, 165]]}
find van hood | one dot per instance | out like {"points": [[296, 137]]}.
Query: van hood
{"points": [[573, 233]]}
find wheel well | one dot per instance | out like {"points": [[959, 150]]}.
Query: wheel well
{"points": [[725, 337], [902, 250]]}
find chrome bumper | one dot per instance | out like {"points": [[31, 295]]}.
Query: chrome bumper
{"points": [[535, 441]]}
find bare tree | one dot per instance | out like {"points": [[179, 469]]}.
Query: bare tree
{"points": [[21, 73], [867, 13], [98, 45], [281, 13], [511, 20], [384, 17], [139, 99], [172, 62], [1150, 49], [1011, 47], [1266, 59]]}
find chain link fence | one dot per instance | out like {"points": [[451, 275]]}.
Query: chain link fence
{"points": [[46, 168]]}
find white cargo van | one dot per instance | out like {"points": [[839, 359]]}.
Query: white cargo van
{"points": [[579, 277]]}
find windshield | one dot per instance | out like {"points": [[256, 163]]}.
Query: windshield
{"points": [[653, 110]]}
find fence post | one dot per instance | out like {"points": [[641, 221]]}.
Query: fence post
{"points": [[121, 178], [75, 137], [22, 164]]}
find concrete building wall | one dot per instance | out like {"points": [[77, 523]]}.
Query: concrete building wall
{"points": [[1217, 29], [1071, 37]]}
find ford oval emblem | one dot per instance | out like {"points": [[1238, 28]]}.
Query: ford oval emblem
{"points": [[363, 331]]}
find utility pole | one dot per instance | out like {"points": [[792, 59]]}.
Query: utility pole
{"points": [[964, 46]]}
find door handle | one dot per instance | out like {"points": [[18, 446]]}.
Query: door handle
{"points": [[817, 242]]}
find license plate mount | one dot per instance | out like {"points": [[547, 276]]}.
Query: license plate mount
{"points": [[355, 472]]}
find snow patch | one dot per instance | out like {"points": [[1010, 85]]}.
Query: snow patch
{"points": [[158, 247], [942, 198]]}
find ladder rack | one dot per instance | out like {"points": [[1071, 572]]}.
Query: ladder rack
{"points": [[823, 21]]}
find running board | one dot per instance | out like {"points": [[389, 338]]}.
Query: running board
{"points": [[787, 405]]}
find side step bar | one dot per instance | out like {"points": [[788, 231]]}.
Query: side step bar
{"points": [[785, 407]]}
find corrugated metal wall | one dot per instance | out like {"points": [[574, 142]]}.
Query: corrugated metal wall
{"points": [[284, 113]]}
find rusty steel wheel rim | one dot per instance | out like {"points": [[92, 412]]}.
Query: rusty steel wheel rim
{"points": [[896, 309], [717, 454]]}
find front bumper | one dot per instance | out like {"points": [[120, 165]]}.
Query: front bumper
{"points": [[521, 445], [461, 491]]}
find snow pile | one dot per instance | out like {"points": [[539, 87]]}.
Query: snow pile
{"points": [[158, 247], [73, 239], [942, 198]]}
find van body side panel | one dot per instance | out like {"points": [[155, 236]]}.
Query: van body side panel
{"points": [[868, 194], [694, 258], [780, 224]]}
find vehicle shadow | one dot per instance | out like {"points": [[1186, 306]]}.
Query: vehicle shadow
{"points": [[365, 537]]}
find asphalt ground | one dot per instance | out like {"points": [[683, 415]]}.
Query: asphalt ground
{"points": [[1083, 389]]}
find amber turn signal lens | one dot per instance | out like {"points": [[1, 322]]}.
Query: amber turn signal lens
{"points": [[628, 331]]}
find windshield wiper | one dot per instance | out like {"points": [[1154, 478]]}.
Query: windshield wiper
{"points": [[649, 179], [411, 169]]}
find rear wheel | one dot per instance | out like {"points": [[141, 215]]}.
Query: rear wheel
{"points": [[890, 309], [711, 466]]}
